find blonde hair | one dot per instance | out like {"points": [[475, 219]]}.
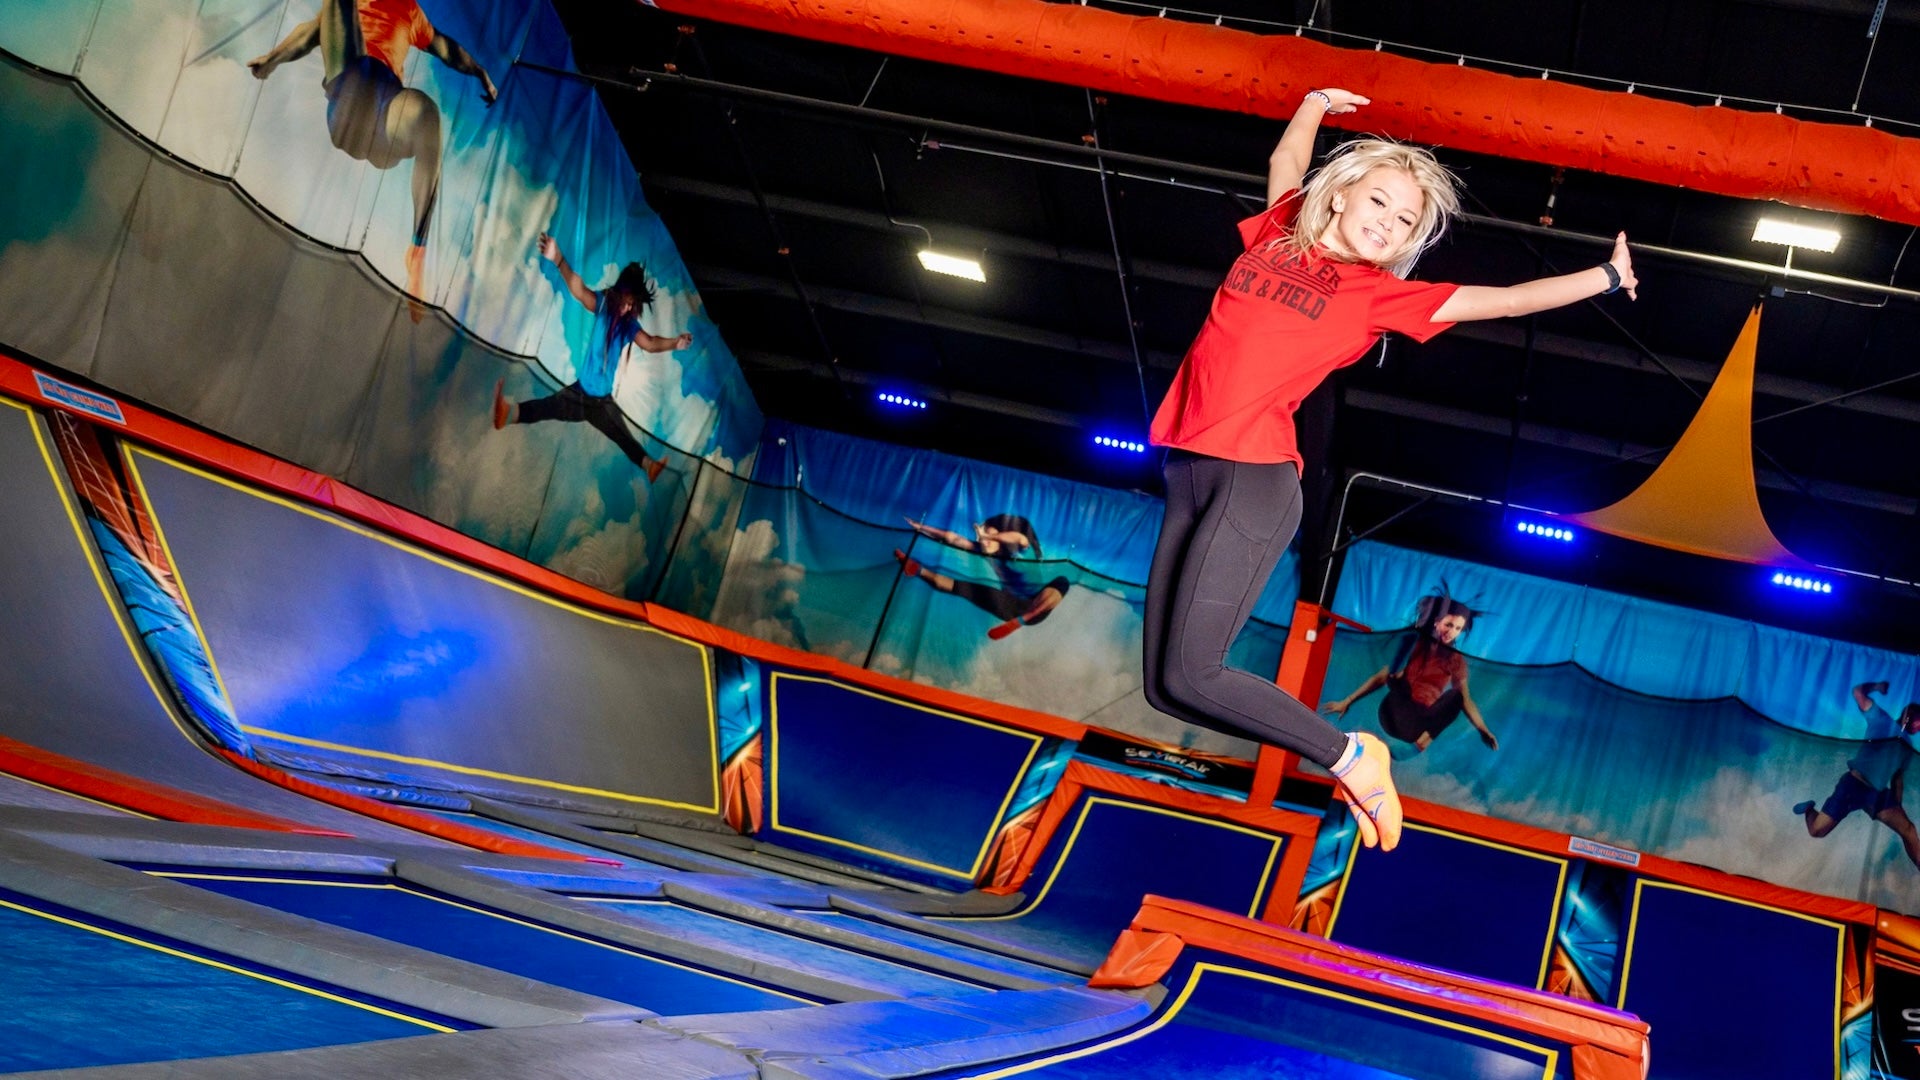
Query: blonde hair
{"points": [[1352, 160]]}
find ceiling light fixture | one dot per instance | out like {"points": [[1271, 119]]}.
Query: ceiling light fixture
{"points": [[1775, 231], [952, 264]]}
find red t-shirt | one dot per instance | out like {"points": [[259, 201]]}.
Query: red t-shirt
{"points": [[389, 26], [1279, 325], [1431, 669]]}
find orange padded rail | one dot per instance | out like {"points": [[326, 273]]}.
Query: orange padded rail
{"points": [[132, 793], [1607, 1044], [1754, 155]]}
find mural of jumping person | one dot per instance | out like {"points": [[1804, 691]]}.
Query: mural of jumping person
{"points": [[1002, 539], [1875, 780], [616, 325], [1427, 680], [371, 115]]}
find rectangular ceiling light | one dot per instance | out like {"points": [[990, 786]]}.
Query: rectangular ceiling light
{"points": [[952, 264], [1775, 231]]}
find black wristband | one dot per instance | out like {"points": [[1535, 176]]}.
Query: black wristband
{"points": [[1613, 278]]}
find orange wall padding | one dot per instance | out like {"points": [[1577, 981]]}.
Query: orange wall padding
{"points": [[1849, 168]]}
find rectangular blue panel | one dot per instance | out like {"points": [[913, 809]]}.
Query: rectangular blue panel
{"points": [[888, 779], [1466, 905], [1733, 990], [505, 944], [81, 995], [1111, 852]]}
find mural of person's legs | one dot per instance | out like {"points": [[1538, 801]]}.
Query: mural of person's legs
{"points": [[1895, 817], [1037, 608], [573, 405], [608, 420], [1850, 793], [1411, 722], [372, 117]]}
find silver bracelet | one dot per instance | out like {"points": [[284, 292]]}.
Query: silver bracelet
{"points": [[1326, 103]]}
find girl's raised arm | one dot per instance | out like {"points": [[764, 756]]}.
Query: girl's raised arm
{"points": [[1291, 159]]}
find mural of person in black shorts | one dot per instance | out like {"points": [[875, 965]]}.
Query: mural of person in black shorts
{"points": [[371, 115], [1427, 679], [1875, 780], [589, 398], [1002, 539]]}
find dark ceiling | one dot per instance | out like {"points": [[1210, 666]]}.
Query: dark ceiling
{"points": [[1566, 411]]}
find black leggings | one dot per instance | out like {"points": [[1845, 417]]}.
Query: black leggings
{"points": [[574, 405], [1406, 719], [1226, 527]]}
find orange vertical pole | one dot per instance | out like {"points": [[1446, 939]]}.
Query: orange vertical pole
{"points": [[1303, 668]]}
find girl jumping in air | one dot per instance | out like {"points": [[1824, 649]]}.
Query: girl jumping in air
{"points": [[1320, 280]]}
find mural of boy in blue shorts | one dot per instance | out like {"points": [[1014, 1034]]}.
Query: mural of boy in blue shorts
{"points": [[370, 114], [1002, 539], [1875, 779]]}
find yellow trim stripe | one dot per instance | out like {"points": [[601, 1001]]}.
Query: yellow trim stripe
{"points": [[999, 816], [227, 967], [502, 916], [1550, 1056], [1073, 838], [132, 453]]}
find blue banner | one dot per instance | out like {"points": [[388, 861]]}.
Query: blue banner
{"points": [[1003, 584]]}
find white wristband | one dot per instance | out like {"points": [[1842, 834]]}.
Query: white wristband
{"points": [[1326, 102]]}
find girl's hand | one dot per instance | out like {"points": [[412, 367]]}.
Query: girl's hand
{"points": [[1623, 263], [1336, 708], [1343, 101], [685, 339], [549, 248]]}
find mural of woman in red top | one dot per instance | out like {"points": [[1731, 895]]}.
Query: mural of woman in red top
{"points": [[370, 114], [1427, 680], [1322, 277]]}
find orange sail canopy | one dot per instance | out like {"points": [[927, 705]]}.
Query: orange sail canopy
{"points": [[1755, 155], [1702, 497]]}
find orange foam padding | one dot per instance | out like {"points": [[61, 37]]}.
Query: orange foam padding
{"points": [[1138, 958], [282, 478], [133, 793], [1080, 778], [1702, 499], [1898, 942], [1844, 167], [465, 835], [1616, 1042]]}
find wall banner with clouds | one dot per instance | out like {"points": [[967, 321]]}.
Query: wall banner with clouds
{"points": [[1636, 724], [1003, 584], [317, 226]]}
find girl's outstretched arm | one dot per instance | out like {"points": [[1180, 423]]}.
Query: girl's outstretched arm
{"points": [[1471, 303], [1288, 164], [945, 536], [550, 251]]}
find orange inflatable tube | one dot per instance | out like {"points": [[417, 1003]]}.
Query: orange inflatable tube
{"points": [[1847, 168]]}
